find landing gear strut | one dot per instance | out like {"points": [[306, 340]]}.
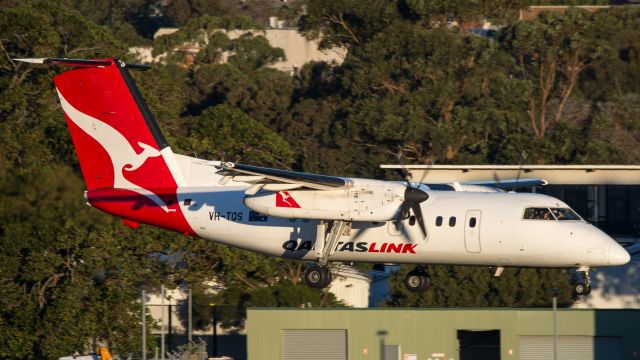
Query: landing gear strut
{"points": [[418, 280], [318, 277], [583, 286]]}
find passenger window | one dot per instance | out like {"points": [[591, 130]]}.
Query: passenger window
{"points": [[538, 214], [412, 220], [452, 221], [439, 221], [472, 222]]}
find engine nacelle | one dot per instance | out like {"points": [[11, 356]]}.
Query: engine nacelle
{"points": [[364, 201]]}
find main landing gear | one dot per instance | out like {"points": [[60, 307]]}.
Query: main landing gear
{"points": [[318, 277], [582, 287], [418, 280]]}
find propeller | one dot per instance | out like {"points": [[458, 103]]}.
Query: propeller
{"points": [[412, 197]]}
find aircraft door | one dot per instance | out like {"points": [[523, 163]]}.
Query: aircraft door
{"points": [[472, 231]]}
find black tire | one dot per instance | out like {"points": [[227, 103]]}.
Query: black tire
{"points": [[328, 277], [581, 289], [417, 281], [317, 276]]}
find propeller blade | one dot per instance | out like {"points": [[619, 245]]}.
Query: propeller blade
{"points": [[418, 213]]}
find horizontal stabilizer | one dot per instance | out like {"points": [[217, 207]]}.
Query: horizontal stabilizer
{"points": [[79, 62]]}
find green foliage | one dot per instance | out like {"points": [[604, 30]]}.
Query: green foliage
{"points": [[459, 286], [197, 31], [616, 71], [181, 11], [222, 132], [67, 267], [124, 17], [253, 52], [551, 52], [352, 24], [410, 83]]}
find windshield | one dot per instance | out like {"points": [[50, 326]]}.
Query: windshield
{"points": [[540, 213], [565, 214]]}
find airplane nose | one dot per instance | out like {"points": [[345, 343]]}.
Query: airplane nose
{"points": [[618, 255]]}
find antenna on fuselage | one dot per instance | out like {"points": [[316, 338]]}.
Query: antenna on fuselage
{"points": [[523, 157]]}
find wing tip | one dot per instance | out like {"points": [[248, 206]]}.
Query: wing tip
{"points": [[30, 60]]}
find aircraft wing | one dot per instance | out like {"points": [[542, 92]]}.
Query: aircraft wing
{"points": [[509, 184], [277, 179]]}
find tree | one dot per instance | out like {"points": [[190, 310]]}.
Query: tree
{"points": [[352, 24], [63, 266], [613, 132], [180, 12], [616, 71], [126, 18], [222, 132], [551, 52], [460, 286]]}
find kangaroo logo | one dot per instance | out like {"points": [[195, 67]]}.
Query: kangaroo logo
{"points": [[283, 199], [123, 156]]}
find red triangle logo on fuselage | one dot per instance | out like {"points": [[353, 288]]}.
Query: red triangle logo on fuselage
{"points": [[283, 199]]}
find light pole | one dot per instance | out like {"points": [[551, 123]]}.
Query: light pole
{"points": [[162, 322], [382, 334], [143, 300], [554, 291], [214, 332], [190, 316]]}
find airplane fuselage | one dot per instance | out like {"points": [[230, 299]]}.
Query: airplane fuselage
{"points": [[467, 228]]}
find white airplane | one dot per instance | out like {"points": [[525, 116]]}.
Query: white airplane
{"points": [[131, 172]]}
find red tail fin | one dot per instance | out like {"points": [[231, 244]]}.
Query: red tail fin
{"points": [[122, 153]]}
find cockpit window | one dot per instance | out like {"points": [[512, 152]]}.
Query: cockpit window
{"points": [[538, 214], [565, 214]]}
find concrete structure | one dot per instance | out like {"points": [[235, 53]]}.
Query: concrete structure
{"points": [[298, 50], [424, 334]]}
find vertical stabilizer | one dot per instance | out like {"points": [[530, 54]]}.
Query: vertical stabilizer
{"points": [[126, 162]]}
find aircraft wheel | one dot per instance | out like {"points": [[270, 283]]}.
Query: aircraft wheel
{"points": [[417, 280], [328, 277], [317, 276], [582, 289]]}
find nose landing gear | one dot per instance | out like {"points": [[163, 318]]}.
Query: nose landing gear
{"points": [[582, 287], [418, 280]]}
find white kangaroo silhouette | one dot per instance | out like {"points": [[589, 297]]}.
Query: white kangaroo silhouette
{"points": [[122, 154]]}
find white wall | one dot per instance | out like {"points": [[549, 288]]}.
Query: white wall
{"points": [[350, 286], [298, 50]]}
